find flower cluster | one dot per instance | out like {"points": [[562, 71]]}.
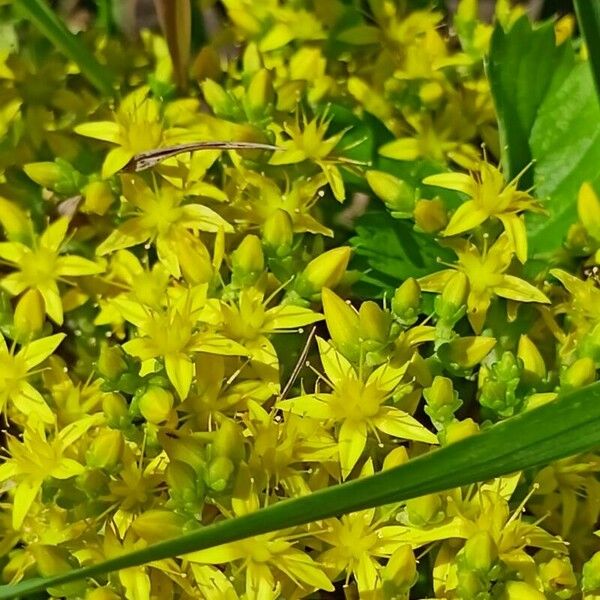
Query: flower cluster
{"points": [[190, 342]]}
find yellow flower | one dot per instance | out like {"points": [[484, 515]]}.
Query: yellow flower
{"points": [[489, 196], [42, 266], [357, 406], [138, 126], [162, 218], [36, 459], [486, 278], [174, 335], [14, 371]]}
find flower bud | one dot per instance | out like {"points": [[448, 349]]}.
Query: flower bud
{"points": [[519, 590], [557, 574], [442, 402], [460, 430], [30, 315], [407, 301], [533, 363], [455, 291], [248, 261], [186, 488], [111, 361], [397, 195], [115, 408], [324, 271], [396, 457], [342, 323], [582, 372], [101, 594], [400, 573], [430, 215], [217, 98], [590, 581], [228, 441], [277, 233], [430, 93], [105, 450], [480, 552], [425, 510], [46, 174], [260, 92], [374, 322], [156, 404], [97, 197], [158, 525], [219, 474]]}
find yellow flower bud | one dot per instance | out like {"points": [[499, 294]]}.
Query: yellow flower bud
{"points": [[30, 315], [374, 322], [430, 93], [324, 271], [111, 362], [441, 392], [115, 408], [342, 323], [248, 259], [157, 525], [533, 362], [400, 573], [251, 59], [101, 594], [97, 197], [406, 301], [455, 291], [228, 441], [105, 450], [181, 478], [156, 404], [217, 98], [277, 232], [582, 372], [459, 430], [519, 590], [480, 551], [219, 474], [430, 215], [260, 91], [396, 193], [557, 574], [424, 510]]}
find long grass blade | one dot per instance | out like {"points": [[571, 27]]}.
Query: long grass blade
{"points": [[48, 23], [567, 426], [175, 18], [588, 18]]}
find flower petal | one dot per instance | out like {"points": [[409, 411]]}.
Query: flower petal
{"points": [[459, 182], [518, 289], [180, 371], [14, 283], [352, 439], [30, 402], [54, 235], [467, 216], [141, 347], [52, 301], [106, 131], [288, 316], [130, 233], [436, 282], [402, 149], [397, 423], [315, 406], [336, 366], [197, 216], [39, 350], [13, 251], [74, 266], [115, 160], [25, 494], [517, 234]]}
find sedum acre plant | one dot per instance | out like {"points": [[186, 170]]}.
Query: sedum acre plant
{"points": [[300, 299]]}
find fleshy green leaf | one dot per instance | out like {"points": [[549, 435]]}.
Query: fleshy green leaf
{"points": [[564, 427]]}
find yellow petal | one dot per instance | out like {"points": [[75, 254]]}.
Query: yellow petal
{"points": [[196, 216], [52, 301], [387, 377], [223, 554], [54, 234], [106, 131], [367, 574], [13, 251], [289, 317], [115, 160], [436, 282], [469, 351], [352, 440], [213, 343], [397, 423], [459, 182], [130, 233], [73, 266], [302, 568], [478, 303], [517, 234], [467, 216], [402, 149], [518, 289], [167, 254], [67, 468], [336, 366], [25, 494], [30, 402], [14, 283], [35, 352], [180, 371], [315, 406], [140, 347], [334, 179]]}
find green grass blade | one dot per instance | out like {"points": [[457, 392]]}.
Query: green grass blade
{"points": [[588, 18], [567, 426], [44, 19]]}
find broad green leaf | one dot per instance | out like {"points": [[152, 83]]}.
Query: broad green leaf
{"points": [[46, 20], [564, 427], [588, 18], [565, 141], [524, 64]]}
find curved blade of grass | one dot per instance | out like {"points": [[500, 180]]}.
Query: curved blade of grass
{"points": [[175, 18], [567, 426], [44, 19], [588, 18]]}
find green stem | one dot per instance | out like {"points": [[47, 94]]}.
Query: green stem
{"points": [[43, 17], [567, 426], [588, 18]]}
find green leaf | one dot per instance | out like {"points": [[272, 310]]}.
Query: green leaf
{"points": [[44, 18], [588, 18], [567, 426], [565, 141], [394, 250], [523, 65]]}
